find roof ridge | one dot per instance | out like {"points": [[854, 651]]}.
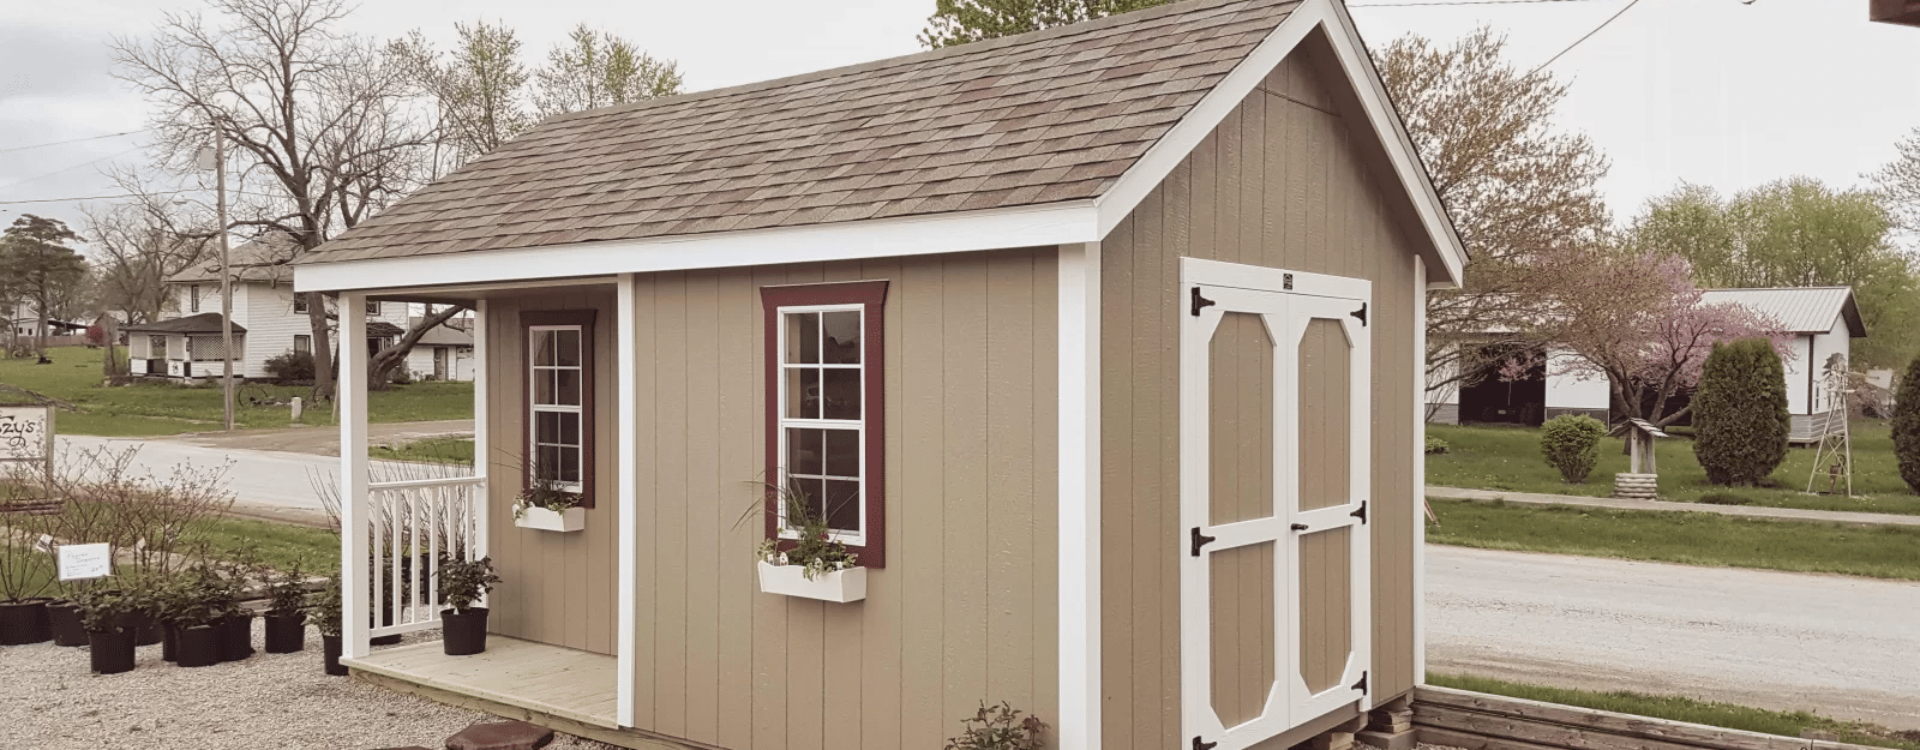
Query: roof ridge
{"points": [[1099, 24]]}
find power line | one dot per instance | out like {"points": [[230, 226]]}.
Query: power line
{"points": [[93, 197], [69, 169], [76, 140], [1576, 42]]}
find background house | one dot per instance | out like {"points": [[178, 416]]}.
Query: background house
{"points": [[269, 321], [443, 353]]}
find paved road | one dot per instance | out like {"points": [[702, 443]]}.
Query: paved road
{"points": [[1848, 647]]}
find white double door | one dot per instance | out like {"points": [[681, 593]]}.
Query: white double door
{"points": [[1275, 372]]}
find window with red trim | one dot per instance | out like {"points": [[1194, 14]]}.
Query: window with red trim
{"points": [[559, 400], [826, 409]]}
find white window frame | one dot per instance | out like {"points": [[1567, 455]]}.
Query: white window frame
{"points": [[303, 338], [373, 308], [193, 298], [784, 422], [534, 407]]}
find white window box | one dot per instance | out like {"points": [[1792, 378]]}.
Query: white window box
{"points": [[841, 586], [571, 519]]}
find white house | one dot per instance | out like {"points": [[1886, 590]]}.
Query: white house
{"points": [[1822, 320], [443, 353], [268, 319]]}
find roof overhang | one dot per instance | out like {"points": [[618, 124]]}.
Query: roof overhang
{"points": [[957, 232], [1903, 12]]}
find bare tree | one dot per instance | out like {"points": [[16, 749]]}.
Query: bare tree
{"points": [[138, 244], [321, 119]]}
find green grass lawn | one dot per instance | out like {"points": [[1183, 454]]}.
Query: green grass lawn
{"points": [[439, 450], [1688, 538], [160, 408], [1508, 458], [278, 545], [1676, 708]]}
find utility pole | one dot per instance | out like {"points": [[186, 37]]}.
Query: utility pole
{"points": [[218, 156]]}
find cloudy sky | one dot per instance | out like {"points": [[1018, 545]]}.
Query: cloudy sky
{"points": [[1717, 92]]}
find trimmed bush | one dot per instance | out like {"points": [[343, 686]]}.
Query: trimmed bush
{"points": [[291, 367], [1436, 446], [1906, 425], [1740, 413], [1571, 443]]}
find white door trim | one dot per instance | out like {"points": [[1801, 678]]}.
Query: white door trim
{"points": [[1080, 690]]}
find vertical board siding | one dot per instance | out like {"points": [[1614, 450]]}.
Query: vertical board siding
{"points": [[1287, 182]]}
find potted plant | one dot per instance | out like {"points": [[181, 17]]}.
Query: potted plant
{"points": [[286, 613], [192, 608], [811, 564], [143, 592], [548, 506], [106, 612], [463, 627], [224, 589], [23, 606], [63, 615], [324, 607], [999, 727]]}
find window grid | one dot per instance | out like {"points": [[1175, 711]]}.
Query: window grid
{"points": [[568, 448], [788, 422]]}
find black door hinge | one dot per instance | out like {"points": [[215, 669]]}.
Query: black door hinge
{"points": [[1198, 745], [1200, 540], [1199, 302], [1361, 314], [1362, 684], [1361, 513], [1299, 527]]}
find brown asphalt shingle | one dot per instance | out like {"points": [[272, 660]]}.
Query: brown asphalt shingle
{"points": [[1045, 117]]}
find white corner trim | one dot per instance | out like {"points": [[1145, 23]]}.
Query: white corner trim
{"points": [[1080, 690], [1160, 160], [351, 390], [993, 229], [1419, 471], [626, 394]]}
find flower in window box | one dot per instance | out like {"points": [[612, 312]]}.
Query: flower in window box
{"points": [[814, 548], [547, 493]]}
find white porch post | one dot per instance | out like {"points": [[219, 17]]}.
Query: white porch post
{"points": [[482, 453], [351, 392], [1079, 364], [626, 364], [1419, 470]]}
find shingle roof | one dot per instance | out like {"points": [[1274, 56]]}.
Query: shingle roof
{"points": [[208, 322], [262, 259], [1038, 118], [1798, 309]]}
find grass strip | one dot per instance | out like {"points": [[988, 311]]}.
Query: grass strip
{"points": [[439, 450], [1687, 538], [1677, 708], [277, 545]]}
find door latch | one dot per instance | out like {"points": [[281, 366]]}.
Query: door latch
{"points": [[1199, 302], [1198, 745], [1299, 527], [1200, 540]]}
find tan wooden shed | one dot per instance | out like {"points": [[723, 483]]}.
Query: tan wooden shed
{"points": [[1109, 337]]}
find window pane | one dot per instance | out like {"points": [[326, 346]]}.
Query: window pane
{"points": [[808, 502], [803, 393], [843, 453], [803, 338], [546, 427], [541, 344], [843, 505], [569, 464], [566, 344], [569, 429], [567, 387], [843, 394], [542, 386], [547, 462], [843, 336], [804, 451]]}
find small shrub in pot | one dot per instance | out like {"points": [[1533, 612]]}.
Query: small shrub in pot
{"points": [[23, 604], [323, 608], [194, 607], [286, 613], [104, 612], [463, 627]]}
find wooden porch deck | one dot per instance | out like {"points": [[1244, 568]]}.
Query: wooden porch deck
{"points": [[538, 677]]}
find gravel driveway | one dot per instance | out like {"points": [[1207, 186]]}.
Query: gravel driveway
{"points": [[50, 701]]}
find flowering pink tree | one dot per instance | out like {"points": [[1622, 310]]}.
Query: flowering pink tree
{"points": [[1637, 318]]}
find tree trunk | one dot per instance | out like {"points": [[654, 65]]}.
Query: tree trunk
{"points": [[383, 362], [322, 349]]}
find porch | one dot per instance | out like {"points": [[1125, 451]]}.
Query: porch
{"points": [[541, 678]]}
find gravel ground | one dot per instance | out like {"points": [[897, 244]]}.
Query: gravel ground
{"points": [[50, 701]]}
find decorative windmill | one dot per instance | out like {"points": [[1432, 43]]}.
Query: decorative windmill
{"points": [[1834, 456]]}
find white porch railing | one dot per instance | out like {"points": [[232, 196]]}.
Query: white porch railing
{"points": [[412, 525]]}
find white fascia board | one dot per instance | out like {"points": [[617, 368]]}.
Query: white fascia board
{"points": [[1160, 160], [1028, 226]]}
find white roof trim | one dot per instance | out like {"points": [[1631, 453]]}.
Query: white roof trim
{"points": [[1159, 161], [993, 229]]}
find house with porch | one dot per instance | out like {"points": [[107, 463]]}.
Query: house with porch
{"points": [[1103, 341]]}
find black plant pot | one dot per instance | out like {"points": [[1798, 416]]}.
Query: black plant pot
{"points": [[286, 633], [198, 646], [463, 633], [236, 637], [169, 642], [111, 652], [23, 622], [330, 652], [146, 630], [65, 618]]}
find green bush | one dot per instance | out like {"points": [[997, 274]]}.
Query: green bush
{"points": [[1906, 426], [1436, 446], [1571, 443], [291, 367], [1740, 413], [1724, 498]]}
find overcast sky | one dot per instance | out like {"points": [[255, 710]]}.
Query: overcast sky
{"points": [[1716, 92]]}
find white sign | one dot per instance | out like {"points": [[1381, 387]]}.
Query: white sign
{"points": [[26, 433], [82, 561]]}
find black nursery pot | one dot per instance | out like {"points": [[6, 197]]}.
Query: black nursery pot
{"points": [[64, 616], [24, 622], [146, 630], [386, 618], [286, 633], [464, 633], [236, 637], [169, 642], [197, 646], [330, 651], [111, 652]]}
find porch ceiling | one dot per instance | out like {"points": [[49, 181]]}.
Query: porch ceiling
{"points": [[467, 294], [552, 680]]}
